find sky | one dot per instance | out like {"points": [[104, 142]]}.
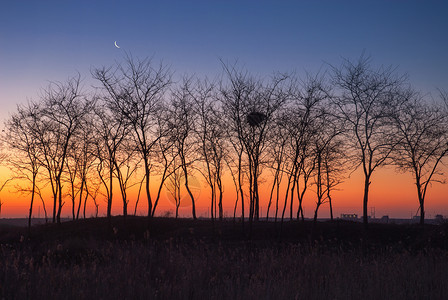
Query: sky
{"points": [[42, 41]]}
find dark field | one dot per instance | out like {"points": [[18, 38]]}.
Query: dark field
{"points": [[186, 259]]}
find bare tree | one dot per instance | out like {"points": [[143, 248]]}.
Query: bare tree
{"points": [[365, 98], [327, 148], [211, 136], [110, 131], [126, 166], [19, 136], [62, 108], [86, 160], [80, 162], [3, 158], [236, 172], [136, 93], [422, 137], [250, 106], [165, 154], [116, 152], [92, 191], [2, 186], [173, 183], [302, 111], [335, 166], [235, 165], [182, 127], [73, 174], [279, 147]]}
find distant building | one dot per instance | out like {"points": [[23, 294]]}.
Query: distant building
{"points": [[384, 219], [439, 219], [349, 217]]}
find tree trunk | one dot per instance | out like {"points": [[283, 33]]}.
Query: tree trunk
{"points": [[421, 201], [193, 207], [256, 195], [251, 193], [212, 200], [422, 213], [276, 200], [295, 181], [125, 207], [286, 197], [300, 196], [315, 212], [365, 201], [59, 201], [148, 192], [31, 203], [80, 198], [109, 200], [85, 202], [221, 210], [240, 184], [73, 201], [270, 196], [327, 171], [55, 200], [331, 206], [257, 199]]}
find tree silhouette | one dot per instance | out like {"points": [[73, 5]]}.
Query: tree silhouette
{"points": [[250, 106], [80, 162], [19, 137], [211, 136], [278, 151], [182, 126], [327, 150], [302, 111], [165, 153], [142, 128], [136, 92], [421, 135], [58, 118], [365, 97], [110, 132]]}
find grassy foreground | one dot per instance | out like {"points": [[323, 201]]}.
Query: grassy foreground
{"points": [[185, 259]]}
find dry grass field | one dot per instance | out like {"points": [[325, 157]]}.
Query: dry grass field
{"points": [[186, 259]]}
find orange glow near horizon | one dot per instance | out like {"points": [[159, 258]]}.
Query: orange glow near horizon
{"points": [[391, 193]]}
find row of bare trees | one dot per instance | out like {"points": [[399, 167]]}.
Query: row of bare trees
{"points": [[139, 127]]}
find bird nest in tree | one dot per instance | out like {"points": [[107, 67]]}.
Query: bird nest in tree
{"points": [[255, 118]]}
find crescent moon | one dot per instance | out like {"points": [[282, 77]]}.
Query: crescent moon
{"points": [[115, 43]]}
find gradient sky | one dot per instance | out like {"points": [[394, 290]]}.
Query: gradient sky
{"points": [[52, 40]]}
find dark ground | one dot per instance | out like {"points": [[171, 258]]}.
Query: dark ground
{"points": [[187, 259]]}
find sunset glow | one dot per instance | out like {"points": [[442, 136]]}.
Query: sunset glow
{"points": [[392, 194], [44, 42]]}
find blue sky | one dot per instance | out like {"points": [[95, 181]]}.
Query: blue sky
{"points": [[52, 40]]}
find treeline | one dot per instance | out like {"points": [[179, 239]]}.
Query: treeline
{"points": [[142, 128]]}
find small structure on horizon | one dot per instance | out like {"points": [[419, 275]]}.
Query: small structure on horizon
{"points": [[349, 217], [385, 219], [439, 219]]}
